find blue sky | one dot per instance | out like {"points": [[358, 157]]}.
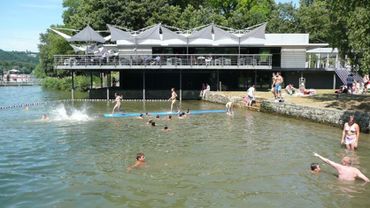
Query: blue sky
{"points": [[21, 21]]}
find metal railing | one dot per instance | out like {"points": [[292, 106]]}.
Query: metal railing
{"points": [[166, 60]]}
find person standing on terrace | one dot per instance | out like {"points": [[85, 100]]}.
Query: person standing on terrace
{"points": [[173, 98]]}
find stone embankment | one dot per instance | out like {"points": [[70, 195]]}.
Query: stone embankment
{"points": [[321, 115]]}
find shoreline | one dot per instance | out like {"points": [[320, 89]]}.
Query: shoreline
{"points": [[332, 117]]}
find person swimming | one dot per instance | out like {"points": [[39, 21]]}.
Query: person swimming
{"points": [[44, 117], [141, 116], [345, 171], [165, 128], [315, 168], [157, 116], [169, 117], [140, 161], [153, 124], [149, 122]]}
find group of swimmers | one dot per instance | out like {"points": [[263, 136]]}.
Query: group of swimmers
{"points": [[350, 138]]}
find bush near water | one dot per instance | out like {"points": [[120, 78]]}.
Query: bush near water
{"points": [[82, 83]]}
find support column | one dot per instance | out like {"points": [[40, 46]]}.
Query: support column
{"points": [[337, 64], [73, 86], [143, 85], [218, 79], [101, 79], [334, 80], [309, 60], [318, 61], [91, 80], [108, 84], [180, 85], [327, 60], [255, 78]]}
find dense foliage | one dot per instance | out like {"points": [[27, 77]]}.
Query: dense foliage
{"points": [[344, 24], [22, 61]]}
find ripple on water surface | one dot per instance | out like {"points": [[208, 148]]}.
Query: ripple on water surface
{"points": [[79, 159]]}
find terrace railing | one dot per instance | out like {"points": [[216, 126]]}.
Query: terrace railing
{"points": [[137, 61]]}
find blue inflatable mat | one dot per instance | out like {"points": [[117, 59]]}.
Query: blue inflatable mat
{"points": [[192, 112]]}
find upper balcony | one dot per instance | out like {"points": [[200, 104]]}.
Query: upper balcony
{"points": [[164, 61]]}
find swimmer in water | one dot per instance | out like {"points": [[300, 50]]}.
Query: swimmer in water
{"points": [[153, 124], [173, 98], [149, 122], [315, 168], [169, 117], [44, 117], [117, 100], [140, 161], [345, 171], [157, 116], [165, 128], [141, 116]]}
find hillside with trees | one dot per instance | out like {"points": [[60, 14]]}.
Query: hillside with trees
{"points": [[22, 61]]}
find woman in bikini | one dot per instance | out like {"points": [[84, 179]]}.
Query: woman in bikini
{"points": [[351, 134]]}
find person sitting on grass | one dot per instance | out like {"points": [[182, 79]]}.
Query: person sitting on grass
{"points": [[290, 89]]}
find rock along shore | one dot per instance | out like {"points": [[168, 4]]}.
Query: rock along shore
{"points": [[321, 115]]}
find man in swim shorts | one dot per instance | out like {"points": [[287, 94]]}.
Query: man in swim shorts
{"points": [[117, 100], [345, 171], [173, 98], [350, 134], [278, 82]]}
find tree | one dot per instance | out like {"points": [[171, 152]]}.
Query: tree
{"points": [[349, 31], [283, 19], [314, 19]]}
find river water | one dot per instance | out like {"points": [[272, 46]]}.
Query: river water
{"points": [[79, 159]]}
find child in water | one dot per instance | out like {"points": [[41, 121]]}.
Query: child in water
{"points": [[140, 161]]}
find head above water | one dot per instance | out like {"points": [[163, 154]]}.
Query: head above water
{"points": [[169, 117], [157, 116], [141, 115], [153, 123], [346, 161], [315, 167], [165, 127], [140, 156]]}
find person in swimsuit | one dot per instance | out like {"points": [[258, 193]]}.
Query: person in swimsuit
{"points": [[172, 98], [117, 101], [345, 171], [351, 134]]}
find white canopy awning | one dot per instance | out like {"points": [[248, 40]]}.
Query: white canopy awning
{"points": [[255, 36], [212, 35], [87, 35], [160, 35], [117, 34]]}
